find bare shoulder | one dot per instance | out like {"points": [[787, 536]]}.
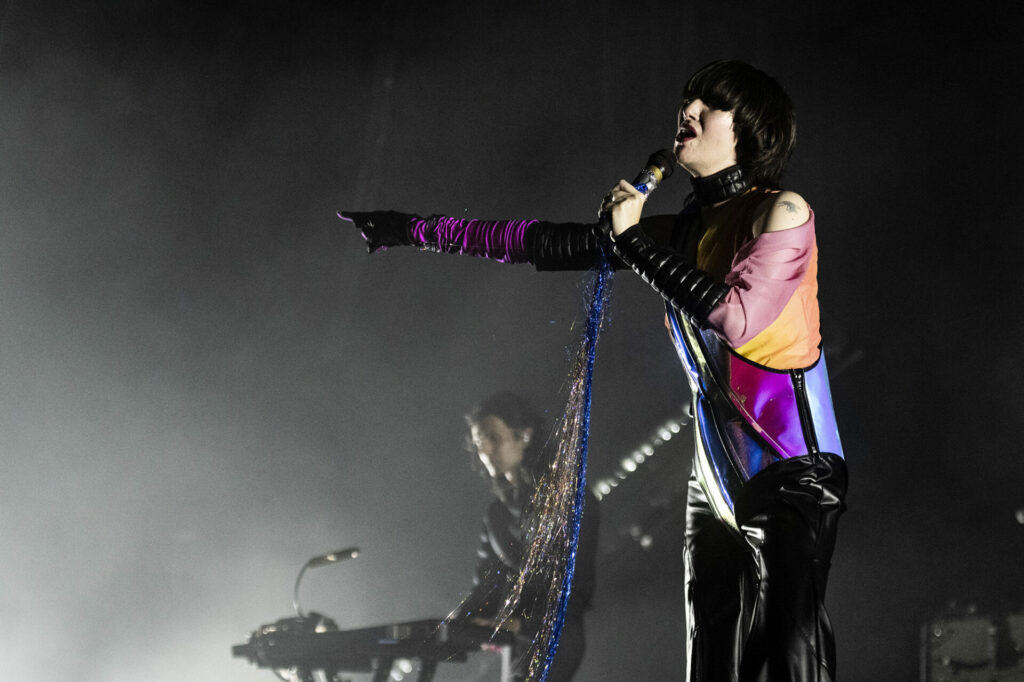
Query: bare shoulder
{"points": [[787, 210]]}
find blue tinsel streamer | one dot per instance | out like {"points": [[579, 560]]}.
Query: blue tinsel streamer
{"points": [[595, 317], [556, 508]]}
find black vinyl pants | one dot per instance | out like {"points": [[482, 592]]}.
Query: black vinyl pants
{"points": [[755, 600]]}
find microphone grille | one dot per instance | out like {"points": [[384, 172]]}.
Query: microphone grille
{"points": [[664, 160]]}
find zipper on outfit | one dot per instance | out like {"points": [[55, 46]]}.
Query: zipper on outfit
{"points": [[803, 406]]}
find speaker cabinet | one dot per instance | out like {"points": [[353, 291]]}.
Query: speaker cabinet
{"points": [[973, 648]]}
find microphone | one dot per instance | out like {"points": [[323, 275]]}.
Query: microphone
{"points": [[333, 557], [316, 562], [660, 166]]}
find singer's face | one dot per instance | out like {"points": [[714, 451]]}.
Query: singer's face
{"points": [[705, 141], [499, 447]]}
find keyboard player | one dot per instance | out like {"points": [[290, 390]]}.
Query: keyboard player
{"points": [[505, 435]]}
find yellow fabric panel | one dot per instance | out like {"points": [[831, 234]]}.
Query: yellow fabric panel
{"points": [[792, 341]]}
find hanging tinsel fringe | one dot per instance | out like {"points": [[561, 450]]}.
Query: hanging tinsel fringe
{"points": [[553, 524]]}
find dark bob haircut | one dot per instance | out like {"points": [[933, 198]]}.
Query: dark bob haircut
{"points": [[763, 116]]}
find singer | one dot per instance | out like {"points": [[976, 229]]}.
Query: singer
{"points": [[737, 268]]}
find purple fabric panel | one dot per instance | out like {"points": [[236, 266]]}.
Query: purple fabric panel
{"points": [[500, 240], [768, 401], [819, 395], [765, 273]]}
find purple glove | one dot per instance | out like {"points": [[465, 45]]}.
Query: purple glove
{"points": [[501, 240]]}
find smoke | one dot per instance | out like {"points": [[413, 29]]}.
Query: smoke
{"points": [[206, 381]]}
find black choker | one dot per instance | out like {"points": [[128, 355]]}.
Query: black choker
{"points": [[725, 184]]}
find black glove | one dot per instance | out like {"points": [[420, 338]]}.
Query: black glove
{"points": [[567, 246], [381, 229]]}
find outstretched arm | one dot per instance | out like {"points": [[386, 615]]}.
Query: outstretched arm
{"points": [[548, 246]]}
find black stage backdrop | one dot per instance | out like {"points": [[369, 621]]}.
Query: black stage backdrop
{"points": [[205, 380]]}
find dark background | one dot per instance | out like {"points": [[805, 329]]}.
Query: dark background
{"points": [[205, 380]]}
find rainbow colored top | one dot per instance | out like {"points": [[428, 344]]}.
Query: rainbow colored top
{"points": [[757, 375]]}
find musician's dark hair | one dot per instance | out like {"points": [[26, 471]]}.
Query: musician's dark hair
{"points": [[518, 414], [763, 117]]}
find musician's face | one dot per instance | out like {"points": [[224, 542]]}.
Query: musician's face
{"points": [[500, 448]]}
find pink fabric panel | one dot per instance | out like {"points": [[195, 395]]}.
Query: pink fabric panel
{"points": [[765, 273]]}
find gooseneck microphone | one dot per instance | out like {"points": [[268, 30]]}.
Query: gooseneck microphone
{"points": [[316, 562]]}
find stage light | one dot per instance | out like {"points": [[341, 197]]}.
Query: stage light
{"points": [[644, 451]]}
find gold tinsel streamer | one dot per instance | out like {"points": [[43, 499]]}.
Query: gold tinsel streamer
{"points": [[549, 527]]}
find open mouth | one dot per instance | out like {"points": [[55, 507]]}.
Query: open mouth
{"points": [[685, 134]]}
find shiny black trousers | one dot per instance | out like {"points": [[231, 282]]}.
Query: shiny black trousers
{"points": [[755, 599]]}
